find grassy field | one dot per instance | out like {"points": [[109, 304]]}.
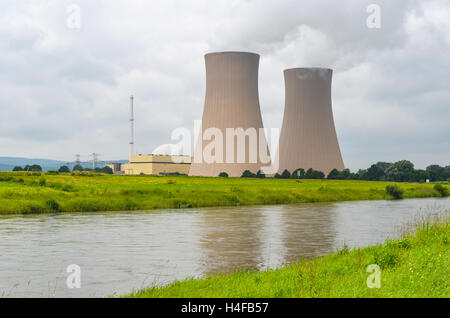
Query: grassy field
{"points": [[25, 193], [417, 265]]}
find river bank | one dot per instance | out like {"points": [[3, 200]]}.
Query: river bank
{"points": [[416, 265], [30, 193]]}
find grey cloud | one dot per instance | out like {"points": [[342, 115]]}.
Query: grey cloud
{"points": [[66, 91]]}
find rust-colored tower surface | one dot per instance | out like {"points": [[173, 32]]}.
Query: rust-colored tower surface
{"points": [[232, 101], [308, 136]]}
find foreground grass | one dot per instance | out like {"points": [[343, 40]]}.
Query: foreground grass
{"points": [[417, 265], [29, 193]]}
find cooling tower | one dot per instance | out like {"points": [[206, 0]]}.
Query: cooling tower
{"points": [[308, 135], [231, 102]]}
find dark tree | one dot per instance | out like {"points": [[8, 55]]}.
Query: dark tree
{"points": [[401, 171], [248, 174], [383, 165], [77, 168], [334, 174], [298, 174], [18, 168], [345, 174], [420, 175], [361, 174], [223, 175], [286, 174], [33, 168], [64, 169], [107, 170], [314, 174], [446, 173], [375, 173], [260, 174], [436, 172]]}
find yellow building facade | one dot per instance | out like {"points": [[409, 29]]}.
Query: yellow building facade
{"points": [[154, 165]]}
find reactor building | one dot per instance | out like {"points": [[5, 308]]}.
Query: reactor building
{"points": [[308, 136], [231, 113]]}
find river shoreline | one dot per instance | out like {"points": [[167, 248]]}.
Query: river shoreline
{"points": [[413, 266], [22, 193]]}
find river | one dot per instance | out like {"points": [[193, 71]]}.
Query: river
{"points": [[118, 252]]}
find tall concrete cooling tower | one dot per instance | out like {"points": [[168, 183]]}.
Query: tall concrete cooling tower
{"points": [[232, 101], [308, 135]]}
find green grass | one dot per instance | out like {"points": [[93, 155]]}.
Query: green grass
{"points": [[25, 193], [417, 265]]}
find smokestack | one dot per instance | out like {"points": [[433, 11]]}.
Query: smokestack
{"points": [[308, 136], [131, 127]]}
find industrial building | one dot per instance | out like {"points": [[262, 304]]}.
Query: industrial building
{"points": [[154, 165], [308, 136], [232, 101]]}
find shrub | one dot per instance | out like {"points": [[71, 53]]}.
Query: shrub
{"points": [[443, 191], [314, 174], [394, 191], [333, 175], [223, 175], [53, 205], [18, 168], [64, 169], [260, 174], [286, 174], [298, 174], [248, 174]]}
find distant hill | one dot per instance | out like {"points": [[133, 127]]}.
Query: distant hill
{"points": [[8, 163]]}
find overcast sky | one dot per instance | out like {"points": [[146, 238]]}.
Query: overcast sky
{"points": [[65, 90]]}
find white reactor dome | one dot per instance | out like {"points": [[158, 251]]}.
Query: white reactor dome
{"points": [[168, 150]]}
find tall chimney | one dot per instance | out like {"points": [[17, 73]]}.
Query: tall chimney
{"points": [[131, 127]]}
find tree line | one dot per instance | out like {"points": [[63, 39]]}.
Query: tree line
{"points": [[65, 169], [400, 171]]}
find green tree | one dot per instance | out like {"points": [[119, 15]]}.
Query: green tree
{"points": [[420, 175], [298, 174], [77, 168], [375, 173], [64, 169], [334, 174], [223, 175], [361, 174], [314, 174], [383, 165], [248, 174], [436, 172], [446, 173], [34, 168], [107, 170], [260, 174], [286, 174], [345, 174], [401, 171], [18, 168]]}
